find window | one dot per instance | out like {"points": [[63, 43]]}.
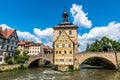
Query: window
{"points": [[55, 59], [8, 40], [70, 52], [66, 41], [69, 45], [3, 47], [70, 60], [11, 48], [57, 45], [70, 32], [60, 32], [12, 41], [56, 52], [59, 52], [62, 60], [0, 59], [65, 52], [7, 47], [63, 45]]}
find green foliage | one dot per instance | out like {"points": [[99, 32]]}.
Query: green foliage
{"points": [[18, 59], [21, 59], [70, 70], [103, 45], [9, 61], [17, 52]]}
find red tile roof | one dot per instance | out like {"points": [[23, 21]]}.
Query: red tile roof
{"points": [[47, 48], [21, 42], [7, 33]]}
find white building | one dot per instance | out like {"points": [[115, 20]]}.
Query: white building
{"points": [[35, 49]]}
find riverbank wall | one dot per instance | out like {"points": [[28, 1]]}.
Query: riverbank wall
{"points": [[8, 67]]}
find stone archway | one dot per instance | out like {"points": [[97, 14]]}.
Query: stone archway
{"points": [[109, 57], [110, 65], [36, 60]]}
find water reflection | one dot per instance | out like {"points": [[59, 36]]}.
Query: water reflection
{"points": [[48, 74]]}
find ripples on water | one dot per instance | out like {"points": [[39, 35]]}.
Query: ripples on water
{"points": [[48, 74]]}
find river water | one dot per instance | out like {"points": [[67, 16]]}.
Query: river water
{"points": [[49, 74]]}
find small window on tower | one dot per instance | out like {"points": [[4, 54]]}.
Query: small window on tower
{"points": [[60, 32], [70, 32]]}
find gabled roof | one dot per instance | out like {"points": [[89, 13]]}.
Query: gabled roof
{"points": [[66, 35], [7, 33]]}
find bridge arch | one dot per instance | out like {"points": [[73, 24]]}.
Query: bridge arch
{"points": [[104, 60], [105, 57], [36, 60]]}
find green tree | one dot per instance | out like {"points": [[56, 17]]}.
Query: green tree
{"points": [[104, 44]]}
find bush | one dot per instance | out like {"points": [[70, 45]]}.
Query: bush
{"points": [[17, 52], [9, 61]]}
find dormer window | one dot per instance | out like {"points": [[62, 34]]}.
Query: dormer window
{"points": [[70, 32]]}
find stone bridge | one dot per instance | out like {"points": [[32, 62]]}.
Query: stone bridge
{"points": [[32, 58], [109, 57]]}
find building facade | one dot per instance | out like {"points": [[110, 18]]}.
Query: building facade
{"points": [[36, 49], [65, 44], [23, 45], [47, 49], [8, 43], [33, 48]]}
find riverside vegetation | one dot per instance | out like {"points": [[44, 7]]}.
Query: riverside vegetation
{"points": [[17, 59]]}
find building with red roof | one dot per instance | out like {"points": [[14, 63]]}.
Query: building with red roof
{"points": [[8, 43]]}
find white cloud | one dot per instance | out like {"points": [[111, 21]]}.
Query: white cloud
{"points": [[46, 34], [4, 26], [112, 31], [80, 17], [28, 36]]}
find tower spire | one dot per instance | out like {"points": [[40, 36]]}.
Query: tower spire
{"points": [[65, 15]]}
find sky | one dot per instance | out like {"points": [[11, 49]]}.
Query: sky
{"points": [[34, 19]]}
